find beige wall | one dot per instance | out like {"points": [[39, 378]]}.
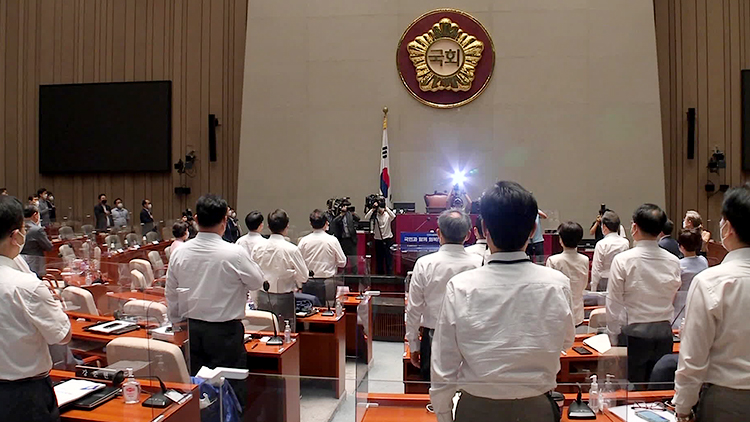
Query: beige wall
{"points": [[199, 45], [572, 111]]}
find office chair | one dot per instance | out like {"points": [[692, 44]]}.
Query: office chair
{"points": [[597, 319], [148, 272], [138, 281], [113, 241], [67, 254], [88, 230], [132, 239], [81, 299], [160, 270], [166, 360], [153, 311], [168, 252], [152, 237], [260, 321], [66, 233]]}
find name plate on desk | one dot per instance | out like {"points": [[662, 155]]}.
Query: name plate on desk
{"points": [[419, 242], [95, 372]]}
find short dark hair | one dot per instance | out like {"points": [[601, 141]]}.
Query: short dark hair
{"points": [[690, 240], [509, 212], [40, 191], [179, 229], [318, 220], [668, 228], [253, 220], [650, 218], [454, 225], [278, 221], [3, 189], [735, 209], [146, 200], [29, 211], [211, 210], [118, 199], [31, 197], [11, 215], [478, 226], [611, 221], [570, 233], [102, 194]]}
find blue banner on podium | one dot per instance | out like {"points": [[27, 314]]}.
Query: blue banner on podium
{"points": [[419, 242]]}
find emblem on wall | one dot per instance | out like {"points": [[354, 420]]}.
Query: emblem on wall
{"points": [[445, 58]]}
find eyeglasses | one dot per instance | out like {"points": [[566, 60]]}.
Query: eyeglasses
{"points": [[650, 406]]}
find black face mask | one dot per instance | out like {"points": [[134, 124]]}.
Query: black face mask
{"points": [[104, 202]]}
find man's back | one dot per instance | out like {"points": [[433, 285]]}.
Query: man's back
{"points": [[322, 253], [249, 241], [503, 325], [575, 266], [480, 249], [668, 243], [282, 264], [218, 275], [605, 251]]}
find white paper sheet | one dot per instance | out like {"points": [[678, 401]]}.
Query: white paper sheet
{"points": [[72, 390]]}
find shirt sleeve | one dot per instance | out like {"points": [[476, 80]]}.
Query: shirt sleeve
{"points": [[46, 314], [415, 308], [446, 358], [301, 273], [340, 256], [695, 345], [368, 214], [615, 289], [170, 293], [250, 273], [570, 325], [44, 241], [596, 266], [390, 213]]}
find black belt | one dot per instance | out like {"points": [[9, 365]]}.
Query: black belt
{"points": [[34, 378]]}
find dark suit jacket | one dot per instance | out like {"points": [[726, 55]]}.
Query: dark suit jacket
{"points": [[148, 221], [338, 225], [671, 245], [36, 244], [103, 220]]}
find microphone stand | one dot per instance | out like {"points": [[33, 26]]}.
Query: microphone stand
{"points": [[275, 340]]}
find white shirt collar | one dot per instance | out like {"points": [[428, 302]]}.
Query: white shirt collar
{"points": [[570, 251], [253, 234], [647, 244], [276, 237], [508, 256], [318, 231], [207, 236], [453, 248], [7, 262], [481, 242], [610, 234], [737, 255]]}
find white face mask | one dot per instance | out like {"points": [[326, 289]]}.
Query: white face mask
{"points": [[120, 206], [684, 224], [149, 206], [21, 245], [722, 224], [51, 198]]}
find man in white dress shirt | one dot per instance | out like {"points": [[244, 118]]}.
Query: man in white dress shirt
{"points": [[428, 281], [573, 264], [323, 256], [480, 247], [714, 349], [284, 269], [31, 319], [254, 223], [502, 326], [643, 282], [606, 250], [217, 276]]}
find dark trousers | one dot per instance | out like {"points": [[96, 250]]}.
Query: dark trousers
{"points": [[30, 400], [533, 409], [425, 352], [316, 287], [722, 404], [214, 344], [535, 251], [349, 246], [646, 343], [384, 256]]}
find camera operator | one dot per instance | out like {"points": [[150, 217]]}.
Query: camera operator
{"points": [[344, 227], [383, 235]]}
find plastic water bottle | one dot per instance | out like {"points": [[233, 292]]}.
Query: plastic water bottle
{"points": [[607, 398], [131, 389], [594, 399], [287, 332], [339, 308]]}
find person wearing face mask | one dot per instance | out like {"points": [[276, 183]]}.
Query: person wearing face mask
{"points": [[693, 220], [37, 242], [43, 206], [31, 319], [642, 284], [217, 277], [103, 214], [120, 214], [714, 351], [52, 208], [147, 219], [232, 232]]}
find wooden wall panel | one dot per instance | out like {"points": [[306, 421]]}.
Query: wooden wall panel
{"points": [[702, 47], [192, 43]]}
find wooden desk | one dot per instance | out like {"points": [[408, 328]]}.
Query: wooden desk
{"points": [[116, 410], [356, 339], [273, 384], [323, 349]]}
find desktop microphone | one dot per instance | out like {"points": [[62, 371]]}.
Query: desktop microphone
{"points": [[275, 340], [423, 223], [158, 400]]}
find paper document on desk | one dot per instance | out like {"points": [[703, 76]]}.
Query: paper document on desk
{"points": [[112, 326], [600, 343], [630, 413], [74, 389]]}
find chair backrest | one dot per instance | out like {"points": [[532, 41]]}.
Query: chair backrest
{"points": [[166, 360], [166, 233], [81, 299], [145, 268], [88, 229], [168, 252], [133, 239], [597, 319], [68, 255], [156, 263], [113, 239], [138, 281], [260, 321], [66, 233], [152, 311], [152, 237]]}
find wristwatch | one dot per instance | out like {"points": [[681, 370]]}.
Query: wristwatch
{"points": [[690, 417]]}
